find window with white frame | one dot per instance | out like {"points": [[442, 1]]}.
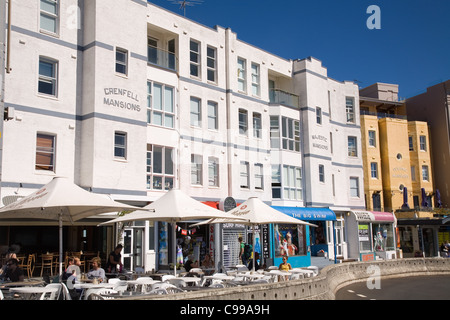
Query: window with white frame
{"points": [[374, 170], [274, 132], [243, 122], [255, 80], [121, 61], [160, 167], [196, 169], [213, 120], [425, 173], [292, 183], [259, 176], [211, 64], [244, 175], [318, 115], [350, 109], [120, 145], [160, 105], [213, 172], [276, 181], [45, 152], [241, 74], [48, 76], [423, 143], [257, 125], [194, 48], [49, 16], [352, 147], [290, 134], [321, 173], [372, 138], [354, 187], [196, 112]]}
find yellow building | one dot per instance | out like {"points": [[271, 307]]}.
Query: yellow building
{"points": [[396, 153]]}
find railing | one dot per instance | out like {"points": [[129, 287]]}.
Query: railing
{"points": [[381, 115], [162, 58], [282, 97]]}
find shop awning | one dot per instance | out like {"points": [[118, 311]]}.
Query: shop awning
{"points": [[307, 213], [373, 216]]}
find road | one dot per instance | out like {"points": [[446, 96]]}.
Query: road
{"points": [[409, 288]]}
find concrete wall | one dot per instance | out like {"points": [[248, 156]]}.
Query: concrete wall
{"points": [[325, 285]]}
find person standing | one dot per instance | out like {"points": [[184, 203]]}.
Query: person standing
{"points": [[114, 259], [241, 250]]}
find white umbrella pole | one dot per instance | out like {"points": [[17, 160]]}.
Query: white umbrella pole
{"points": [[174, 248], [60, 244], [253, 242]]}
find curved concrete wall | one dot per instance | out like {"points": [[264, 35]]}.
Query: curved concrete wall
{"points": [[326, 284]]}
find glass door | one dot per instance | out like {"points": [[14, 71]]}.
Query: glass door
{"points": [[133, 253]]}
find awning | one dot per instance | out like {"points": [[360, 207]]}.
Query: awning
{"points": [[308, 213], [373, 216]]}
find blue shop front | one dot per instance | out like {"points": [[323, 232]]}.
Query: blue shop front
{"points": [[299, 242]]}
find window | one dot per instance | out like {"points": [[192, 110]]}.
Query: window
{"points": [[196, 112], [242, 79], [354, 187], [243, 122], [244, 174], [292, 183], [195, 58], [411, 143], [152, 50], [350, 109], [259, 176], [294, 236], [374, 170], [425, 176], [318, 115], [276, 181], [321, 173], [160, 168], [211, 64], [160, 105], [121, 61], [274, 132], [49, 16], [257, 127], [196, 169], [352, 151], [213, 122], [213, 172], [45, 152], [255, 80], [48, 70], [372, 138], [423, 143], [290, 134], [413, 173], [120, 145]]}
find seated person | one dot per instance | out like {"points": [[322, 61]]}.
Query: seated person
{"points": [[73, 270], [190, 263], [207, 262], [13, 272], [97, 271]]}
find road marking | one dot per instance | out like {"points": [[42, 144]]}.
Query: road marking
{"points": [[361, 295]]}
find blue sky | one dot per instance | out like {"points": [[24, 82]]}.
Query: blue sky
{"points": [[412, 48]]}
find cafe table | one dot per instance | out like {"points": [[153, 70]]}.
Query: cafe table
{"points": [[306, 273], [144, 281], [188, 280], [216, 277], [30, 283], [33, 293]]}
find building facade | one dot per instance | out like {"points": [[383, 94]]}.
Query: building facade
{"points": [[132, 100]]}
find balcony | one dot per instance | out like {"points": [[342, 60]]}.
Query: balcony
{"points": [[162, 58], [382, 115], [278, 96]]}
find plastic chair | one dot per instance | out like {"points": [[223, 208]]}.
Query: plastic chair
{"points": [[114, 280], [179, 283], [95, 296], [1, 295], [121, 286], [54, 295], [167, 277], [98, 291], [65, 292]]}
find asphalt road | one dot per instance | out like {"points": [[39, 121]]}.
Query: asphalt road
{"points": [[409, 288]]}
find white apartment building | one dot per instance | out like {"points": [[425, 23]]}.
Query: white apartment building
{"points": [[131, 100]]}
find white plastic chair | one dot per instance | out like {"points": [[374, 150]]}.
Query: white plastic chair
{"points": [[114, 280], [167, 277], [99, 291], [65, 292], [53, 295], [179, 283], [121, 286], [1, 295]]}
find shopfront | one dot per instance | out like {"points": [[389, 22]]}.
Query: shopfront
{"points": [[371, 235]]}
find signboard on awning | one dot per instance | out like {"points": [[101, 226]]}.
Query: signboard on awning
{"points": [[373, 216], [308, 213]]}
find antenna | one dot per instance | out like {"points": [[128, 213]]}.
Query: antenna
{"points": [[183, 3]]}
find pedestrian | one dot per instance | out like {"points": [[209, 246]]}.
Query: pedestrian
{"points": [[13, 272]]}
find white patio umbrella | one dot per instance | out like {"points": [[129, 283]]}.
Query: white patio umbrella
{"points": [[257, 213], [63, 201], [173, 207]]}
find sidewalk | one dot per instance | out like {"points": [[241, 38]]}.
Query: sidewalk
{"points": [[321, 262]]}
